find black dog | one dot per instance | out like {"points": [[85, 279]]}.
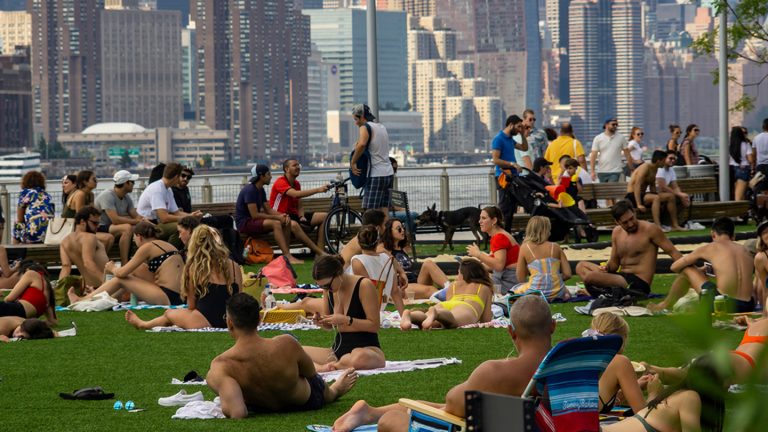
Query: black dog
{"points": [[449, 221]]}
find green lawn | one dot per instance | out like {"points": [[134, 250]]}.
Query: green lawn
{"points": [[139, 366]]}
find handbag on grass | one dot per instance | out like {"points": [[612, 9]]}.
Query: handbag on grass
{"points": [[58, 228]]}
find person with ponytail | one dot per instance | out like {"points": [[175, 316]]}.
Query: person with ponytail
{"points": [[160, 285], [502, 260], [351, 307], [210, 278]]}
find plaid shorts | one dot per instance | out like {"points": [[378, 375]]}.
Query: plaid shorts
{"points": [[376, 193]]}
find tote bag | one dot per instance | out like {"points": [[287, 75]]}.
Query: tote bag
{"points": [[58, 228]]}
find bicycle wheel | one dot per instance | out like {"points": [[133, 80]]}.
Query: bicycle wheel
{"points": [[341, 225]]}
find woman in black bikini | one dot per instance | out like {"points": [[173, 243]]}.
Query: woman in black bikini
{"points": [[160, 286], [694, 404], [210, 279], [351, 307]]}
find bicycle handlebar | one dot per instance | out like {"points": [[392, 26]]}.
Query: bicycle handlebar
{"points": [[335, 183]]}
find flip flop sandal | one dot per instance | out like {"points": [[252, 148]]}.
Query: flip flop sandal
{"points": [[89, 393]]}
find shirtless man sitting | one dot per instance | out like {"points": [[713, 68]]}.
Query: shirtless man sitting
{"points": [[641, 191], [83, 249], [531, 329], [634, 250], [732, 264], [267, 374]]}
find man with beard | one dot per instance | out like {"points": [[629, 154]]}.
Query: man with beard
{"points": [[634, 250], [83, 249]]}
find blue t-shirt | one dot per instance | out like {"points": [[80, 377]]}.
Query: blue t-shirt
{"points": [[250, 194], [506, 145]]}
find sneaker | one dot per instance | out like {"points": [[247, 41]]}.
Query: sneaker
{"points": [[180, 399], [695, 226], [666, 228]]}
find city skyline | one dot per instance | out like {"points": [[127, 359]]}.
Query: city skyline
{"points": [[460, 64]]}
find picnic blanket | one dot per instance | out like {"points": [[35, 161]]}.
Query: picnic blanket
{"points": [[397, 366], [324, 428]]}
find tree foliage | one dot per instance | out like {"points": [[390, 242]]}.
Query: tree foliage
{"points": [[747, 39], [52, 151]]}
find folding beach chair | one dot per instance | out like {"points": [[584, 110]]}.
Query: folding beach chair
{"points": [[568, 380]]}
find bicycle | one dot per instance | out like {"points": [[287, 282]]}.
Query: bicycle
{"points": [[342, 223]]}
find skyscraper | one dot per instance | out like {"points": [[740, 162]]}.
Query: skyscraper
{"points": [[15, 102], [141, 80], [340, 35], [248, 80], [606, 75], [66, 65], [15, 29]]}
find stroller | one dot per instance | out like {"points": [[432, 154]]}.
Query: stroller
{"points": [[531, 193]]}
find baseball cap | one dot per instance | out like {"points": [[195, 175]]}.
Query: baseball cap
{"points": [[363, 110], [608, 120], [258, 170], [540, 163], [123, 176]]}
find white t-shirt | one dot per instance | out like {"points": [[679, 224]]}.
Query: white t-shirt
{"points": [[635, 150], [375, 267], [519, 154], [668, 174], [610, 151], [760, 143], [379, 149], [156, 196], [746, 150]]}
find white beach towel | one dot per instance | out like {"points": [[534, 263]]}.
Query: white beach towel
{"points": [[199, 410], [397, 366]]}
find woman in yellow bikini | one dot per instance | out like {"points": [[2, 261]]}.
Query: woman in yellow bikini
{"points": [[468, 301]]}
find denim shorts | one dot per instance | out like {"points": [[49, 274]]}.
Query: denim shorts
{"points": [[741, 173], [609, 177]]}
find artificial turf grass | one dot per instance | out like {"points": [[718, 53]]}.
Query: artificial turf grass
{"points": [[138, 366]]}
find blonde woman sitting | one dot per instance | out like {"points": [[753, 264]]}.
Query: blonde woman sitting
{"points": [[209, 279], [542, 262], [468, 301], [620, 374]]}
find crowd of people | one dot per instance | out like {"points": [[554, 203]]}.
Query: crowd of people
{"points": [[172, 255]]}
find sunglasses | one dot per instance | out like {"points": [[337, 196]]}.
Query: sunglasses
{"points": [[399, 229], [696, 130], [186, 176], [328, 285], [639, 133]]}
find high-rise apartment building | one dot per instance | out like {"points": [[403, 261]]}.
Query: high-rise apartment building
{"points": [[606, 53], [458, 112], [340, 35], [317, 102], [420, 7], [141, 80], [189, 72], [15, 102], [249, 81], [15, 30], [66, 65], [504, 34]]}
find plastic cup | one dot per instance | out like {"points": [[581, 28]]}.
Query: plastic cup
{"points": [[411, 295], [719, 305]]}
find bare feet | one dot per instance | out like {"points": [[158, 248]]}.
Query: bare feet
{"points": [[343, 384], [427, 324], [134, 320], [358, 415], [328, 367], [293, 260], [73, 298], [656, 307], [678, 228], [405, 321]]}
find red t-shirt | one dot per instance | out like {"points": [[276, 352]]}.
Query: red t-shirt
{"points": [[501, 241], [280, 201]]}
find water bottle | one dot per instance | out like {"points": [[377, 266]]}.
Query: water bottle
{"points": [[269, 301], [708, 301], [246, 251], [339, 177]]}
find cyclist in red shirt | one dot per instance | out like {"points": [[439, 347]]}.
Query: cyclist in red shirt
{"points": [[285, 197]]}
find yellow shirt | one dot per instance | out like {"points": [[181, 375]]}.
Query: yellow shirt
{"points": [[563, 145]]}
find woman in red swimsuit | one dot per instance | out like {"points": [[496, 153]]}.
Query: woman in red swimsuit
{"points": [[32, 296]]}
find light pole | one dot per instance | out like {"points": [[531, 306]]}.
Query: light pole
{"points": [[373, 64], [724, 186]]}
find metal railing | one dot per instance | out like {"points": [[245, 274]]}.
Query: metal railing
{"points": [[448, 188]]}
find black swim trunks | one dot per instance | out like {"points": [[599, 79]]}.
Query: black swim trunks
{"points": [[316, 396], [631, 198], [731, 304], [634, 283]]}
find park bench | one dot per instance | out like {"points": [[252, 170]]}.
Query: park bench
{"points": [[700, 188], [49, 255]]}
